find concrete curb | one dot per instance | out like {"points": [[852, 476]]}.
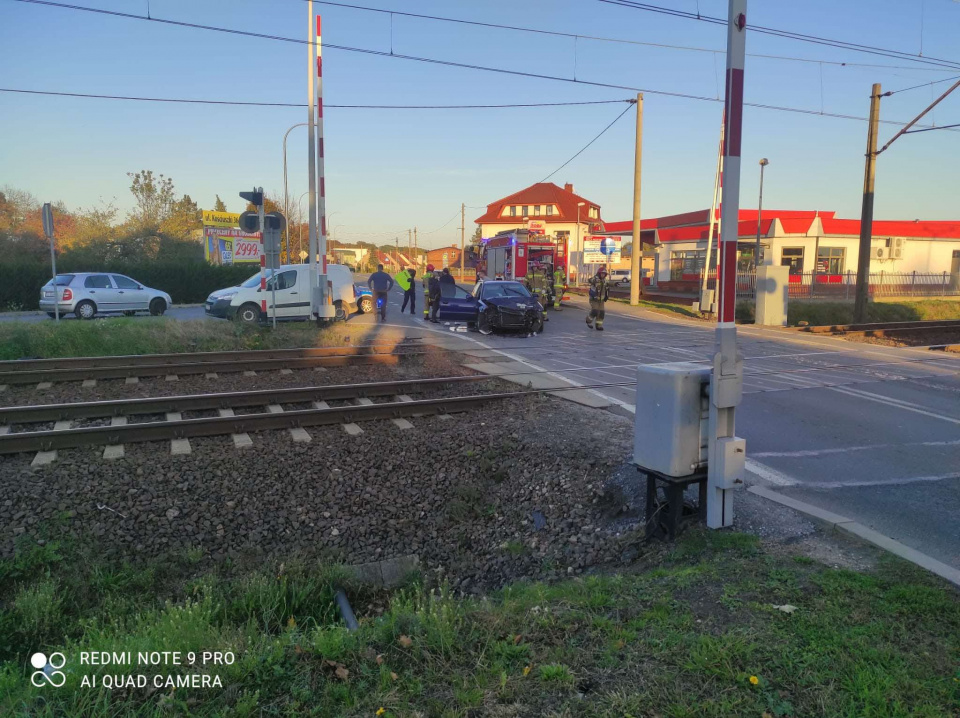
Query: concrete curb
{"points": [[849, 526]]}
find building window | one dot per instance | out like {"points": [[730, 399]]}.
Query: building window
{"points": [[792, 257], [536, 210], [830, 260], [549, 209], [594, 213], [686, 264], [513, 211], [526, 211]]}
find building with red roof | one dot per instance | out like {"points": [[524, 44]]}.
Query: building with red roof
{"points": [[807, 241], [567, 217]]}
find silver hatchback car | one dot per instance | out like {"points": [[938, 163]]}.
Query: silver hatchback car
{"points": [[87, 294]]}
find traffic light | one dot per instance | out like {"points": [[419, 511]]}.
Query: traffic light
{"points": [[249, 221], [254, 197]]}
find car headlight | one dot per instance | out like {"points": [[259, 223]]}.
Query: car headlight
{"points": [[228, 295]]}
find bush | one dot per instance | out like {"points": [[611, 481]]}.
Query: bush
{"points": [[186, 282]]}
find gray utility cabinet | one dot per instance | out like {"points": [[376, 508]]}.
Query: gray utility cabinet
{"points": [[670, 430]]}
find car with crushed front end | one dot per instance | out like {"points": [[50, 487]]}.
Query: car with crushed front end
{"points": [[492, 305]]}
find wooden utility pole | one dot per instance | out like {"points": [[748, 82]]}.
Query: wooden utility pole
{"points": [[409, 240], [636, 252], [866, 212], [463, 214], [415, 239]]}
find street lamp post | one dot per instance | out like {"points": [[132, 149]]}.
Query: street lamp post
{"points": [[579, 249], [756, 257], [300, 224], [286, 201]]}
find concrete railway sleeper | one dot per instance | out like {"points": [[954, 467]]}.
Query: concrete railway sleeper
{"points": [[226, 400], [176, 428]]}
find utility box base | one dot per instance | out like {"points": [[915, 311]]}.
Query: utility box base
{"points": [[671, 418], [773, 287]]}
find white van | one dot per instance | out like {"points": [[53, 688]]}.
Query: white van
{"points": [[293, 295]]}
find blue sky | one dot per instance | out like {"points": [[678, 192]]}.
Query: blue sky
{"points": [[391, 170]]}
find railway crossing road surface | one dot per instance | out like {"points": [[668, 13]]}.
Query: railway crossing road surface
{"points": [[868, 432]]}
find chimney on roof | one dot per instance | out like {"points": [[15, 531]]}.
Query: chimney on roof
{"points": [[568, 188]]}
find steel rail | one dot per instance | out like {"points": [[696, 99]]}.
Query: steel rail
{"points": [[223, 400], [882, 326], [31, 376], [221, 425], [178, 358]]}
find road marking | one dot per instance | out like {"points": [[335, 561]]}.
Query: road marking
{"points": [[847, 449], [768, 473], [896, 403], [878, 482]]}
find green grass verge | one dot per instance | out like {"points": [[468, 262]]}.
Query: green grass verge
{"points": [[139, 335], [697, 634], [826, 313]]}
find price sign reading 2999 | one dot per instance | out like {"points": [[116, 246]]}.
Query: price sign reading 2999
{"points": [[246, 250]]}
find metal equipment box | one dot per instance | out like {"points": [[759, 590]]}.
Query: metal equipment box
{"points": [[672, 416]]}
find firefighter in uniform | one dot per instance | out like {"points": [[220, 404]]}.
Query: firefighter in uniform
{"points": [[599, 294], [425, 281], [559, 286], [536, 283]]}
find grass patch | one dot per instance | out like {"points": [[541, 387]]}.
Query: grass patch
{"points": [[695, 636], [121, 336], [828, 313]]}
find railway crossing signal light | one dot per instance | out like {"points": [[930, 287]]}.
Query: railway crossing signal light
{"points": [[249, 221], [254, 197]]}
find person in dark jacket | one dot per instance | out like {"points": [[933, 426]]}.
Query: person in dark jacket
{"points": [[446, 278], [434, 289], [380, 284], [410, 293]]}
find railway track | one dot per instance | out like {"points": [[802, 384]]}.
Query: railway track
{"points": [[17, 435], [30, 371], [884, 329]]}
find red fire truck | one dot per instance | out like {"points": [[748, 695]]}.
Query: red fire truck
{"points": [[510, 254]]}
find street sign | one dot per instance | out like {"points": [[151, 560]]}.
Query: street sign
{"points": [[601, 250], [47, 220]]}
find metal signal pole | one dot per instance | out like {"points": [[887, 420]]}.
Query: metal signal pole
{"points": [[312, 164], [866, 212], [463, 214], [726, 383], [325, 309], [636, 281]]}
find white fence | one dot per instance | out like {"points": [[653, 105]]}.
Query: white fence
{"points": [[844, 286]]}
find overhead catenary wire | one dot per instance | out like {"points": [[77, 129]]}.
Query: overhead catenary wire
{"points": [[599, 38], [186, 100], [450, 63], [790, 35], [583, 149]]}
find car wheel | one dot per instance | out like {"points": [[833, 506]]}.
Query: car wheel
{"points": [[537, 326], [366, 305], [52, 315], [86, 310], [249, 314], [341, 312], [158, 307], [483, 322]]}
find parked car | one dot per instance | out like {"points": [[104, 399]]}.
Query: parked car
{"points": [[493, 304], [242, 302], [87, 294], [620, 276]]}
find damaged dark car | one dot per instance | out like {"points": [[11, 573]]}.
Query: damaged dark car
{"points": [[493, 305]]}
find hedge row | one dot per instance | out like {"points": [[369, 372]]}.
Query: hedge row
{"points": [[186, 283]]}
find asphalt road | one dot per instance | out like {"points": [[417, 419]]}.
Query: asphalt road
{"points": [[868, 432]]}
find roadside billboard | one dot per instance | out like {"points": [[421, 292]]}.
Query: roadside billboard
{"points": [[225, 243], [601, 250]]}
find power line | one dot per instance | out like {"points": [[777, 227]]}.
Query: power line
{"points": [[922, 84], [302, 104], [788, 34], [599, 38], [449, 63], [444, 224], [929, 129], [582, 149]]}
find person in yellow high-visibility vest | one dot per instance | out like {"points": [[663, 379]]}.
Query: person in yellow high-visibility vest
{"points": [[559, 286], [405, 278]]}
